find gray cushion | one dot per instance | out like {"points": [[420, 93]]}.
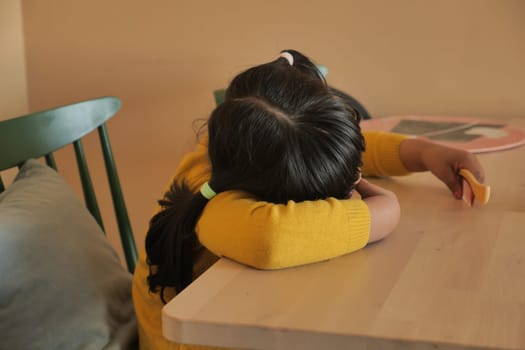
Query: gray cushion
{"points": [[61, 283]]}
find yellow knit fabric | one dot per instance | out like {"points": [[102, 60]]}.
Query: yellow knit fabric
{"points": [[266, 235], [273, 236], [381, 157]]}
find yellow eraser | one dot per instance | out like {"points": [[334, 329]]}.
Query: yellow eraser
{"points": [[481, 191]]}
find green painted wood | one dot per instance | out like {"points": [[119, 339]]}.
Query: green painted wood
{"points": [[87, 185], [121, 212], [40, 134], [50, 161], [219, 95]]}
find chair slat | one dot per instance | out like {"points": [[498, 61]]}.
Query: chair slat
{"points": [[50, 161], [87, 185], [126, 236]]}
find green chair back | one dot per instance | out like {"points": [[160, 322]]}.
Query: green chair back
{"points": [[39, 134]]}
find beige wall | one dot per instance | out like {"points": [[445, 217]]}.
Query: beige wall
{"points": [[163, 58], [13, 89]]}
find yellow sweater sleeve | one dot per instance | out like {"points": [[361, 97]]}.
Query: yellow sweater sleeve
{"points": [[195, 167], [381, 157], [271, 236]]}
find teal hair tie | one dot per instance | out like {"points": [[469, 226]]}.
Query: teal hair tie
{"points": [[207, 191]]}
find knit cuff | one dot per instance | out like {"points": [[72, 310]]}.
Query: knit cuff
{"points": [[359, 225], [382, 155]]}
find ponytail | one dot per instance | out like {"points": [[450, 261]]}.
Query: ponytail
{"points": [[171, 239]]}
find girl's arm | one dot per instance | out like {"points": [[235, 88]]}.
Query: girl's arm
{"points": [[419, 154], [381, 157], [272, 236], [390, 154], [384, 209]]}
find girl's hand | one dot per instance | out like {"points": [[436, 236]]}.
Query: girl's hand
{"points": [[444, 162]]}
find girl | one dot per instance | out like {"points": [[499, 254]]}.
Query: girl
{"points": [[271, 185]]}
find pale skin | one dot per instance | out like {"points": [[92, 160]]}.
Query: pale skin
{"points": [[417, 154]]}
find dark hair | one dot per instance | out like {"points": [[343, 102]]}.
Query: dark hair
{"points": [[281, 134]]}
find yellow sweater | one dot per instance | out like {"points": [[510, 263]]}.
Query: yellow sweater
{"points": [[265, 235]]}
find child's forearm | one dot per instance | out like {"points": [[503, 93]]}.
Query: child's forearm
{"points": [[412, 153], [270, 236], [419, 154], [384, 209]]}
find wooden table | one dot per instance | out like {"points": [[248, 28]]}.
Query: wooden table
{"points": [[449, 277]]}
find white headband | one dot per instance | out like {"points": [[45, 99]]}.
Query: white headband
{"points": [[288, 56]]}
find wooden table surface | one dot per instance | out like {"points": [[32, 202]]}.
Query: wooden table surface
{"points": [[449, 277]]}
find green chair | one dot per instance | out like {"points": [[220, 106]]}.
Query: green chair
{"points": [[40, 134]]}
